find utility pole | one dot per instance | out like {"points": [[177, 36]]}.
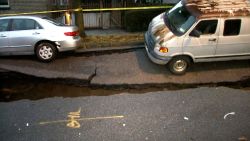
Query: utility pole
{"points": [[76, 4]]}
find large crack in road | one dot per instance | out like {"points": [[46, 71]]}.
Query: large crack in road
{"points": [[110, 73], [16, 86]]}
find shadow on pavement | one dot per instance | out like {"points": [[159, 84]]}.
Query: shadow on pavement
{"points": [[148, 66]]}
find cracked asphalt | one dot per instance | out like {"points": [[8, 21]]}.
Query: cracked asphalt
{"points": [[37, 109], [125, 68], [201, 114]]}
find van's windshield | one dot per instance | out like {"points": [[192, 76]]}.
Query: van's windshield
{"points": [[179, 19]]}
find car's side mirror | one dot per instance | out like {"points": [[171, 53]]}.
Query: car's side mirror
{"points": [[195, 33]]}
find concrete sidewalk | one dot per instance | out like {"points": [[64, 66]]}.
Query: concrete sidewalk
{"points": [[95, 40]]}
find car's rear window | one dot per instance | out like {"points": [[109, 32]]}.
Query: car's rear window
{"points": [[53, 21]]}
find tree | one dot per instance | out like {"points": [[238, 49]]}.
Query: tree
{"points": [[76, 4]]}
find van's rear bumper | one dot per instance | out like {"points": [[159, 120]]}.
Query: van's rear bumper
{"points": [[161, 60]]}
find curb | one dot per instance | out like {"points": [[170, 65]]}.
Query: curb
{"points": [[109, 49]]}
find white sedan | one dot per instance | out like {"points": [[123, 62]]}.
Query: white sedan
{"points": [[29, 35]]}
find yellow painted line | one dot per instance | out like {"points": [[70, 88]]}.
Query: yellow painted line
{"points": [[81, 119], [90, 10]]}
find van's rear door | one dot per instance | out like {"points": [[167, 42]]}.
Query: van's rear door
{"points": [[234, 38]]}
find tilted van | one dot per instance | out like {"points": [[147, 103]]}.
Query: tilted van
{"points": [[199, 31]]}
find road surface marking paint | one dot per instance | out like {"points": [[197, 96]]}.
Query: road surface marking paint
{"points": [[82, 119], [73, 116]]}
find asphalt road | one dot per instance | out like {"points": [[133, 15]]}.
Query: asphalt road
{"points": [[125, 68], [202, 114], [50, 113]]}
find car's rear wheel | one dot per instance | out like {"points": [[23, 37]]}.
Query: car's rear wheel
{"points": [[179, 65], [46, 52]]}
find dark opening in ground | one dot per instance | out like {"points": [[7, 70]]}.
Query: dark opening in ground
{"points": [[15, 86]]}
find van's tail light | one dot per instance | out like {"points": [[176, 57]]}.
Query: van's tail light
{"points": [[73, 33], [163, 49]]}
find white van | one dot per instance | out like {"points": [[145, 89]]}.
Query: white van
{"points": [[199, 31]]}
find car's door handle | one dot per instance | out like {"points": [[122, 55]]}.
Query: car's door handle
{"points": [[212, 40], [3, 36], [35, 33]]}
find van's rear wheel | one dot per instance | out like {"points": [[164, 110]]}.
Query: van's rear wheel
{"points": [[46, 52], [179, 65]]}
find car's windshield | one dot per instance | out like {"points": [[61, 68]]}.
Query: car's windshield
{"points": [[179, 19], [53, 21]]}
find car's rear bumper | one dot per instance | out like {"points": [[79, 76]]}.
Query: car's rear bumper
{"points": [[68, 45]]}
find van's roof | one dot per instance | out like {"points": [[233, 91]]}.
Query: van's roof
{"points": [[218, 8]]}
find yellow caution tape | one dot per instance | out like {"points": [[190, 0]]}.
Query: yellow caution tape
{"points": [[126, 8], [38, 12], [90, 10]]}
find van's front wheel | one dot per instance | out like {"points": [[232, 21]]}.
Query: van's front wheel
{"points": [[179, 65]]}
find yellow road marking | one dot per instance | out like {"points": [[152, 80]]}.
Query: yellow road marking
{"points": [[73, 116], [81, 119]]}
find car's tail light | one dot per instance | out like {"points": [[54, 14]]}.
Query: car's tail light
{"points": [[74, 33]]}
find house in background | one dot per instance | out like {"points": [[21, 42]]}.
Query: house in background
{"points": [[21, 6], [107, 19], [170, 1]]}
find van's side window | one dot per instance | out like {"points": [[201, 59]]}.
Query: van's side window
{"points": [[232, 27], [207, 27]]}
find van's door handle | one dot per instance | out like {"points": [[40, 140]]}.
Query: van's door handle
{"points": [[212, 40]]}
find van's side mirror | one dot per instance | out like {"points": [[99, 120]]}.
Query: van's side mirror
{"points": [[195, 33]]}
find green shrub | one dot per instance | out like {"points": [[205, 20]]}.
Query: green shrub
{"points": [[138, 20]]}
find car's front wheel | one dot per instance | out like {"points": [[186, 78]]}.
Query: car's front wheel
{"points": [[179, 65], [46, 52]]}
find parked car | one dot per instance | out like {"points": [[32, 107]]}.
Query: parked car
{"points": [[29, 35], [199, 31]]}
